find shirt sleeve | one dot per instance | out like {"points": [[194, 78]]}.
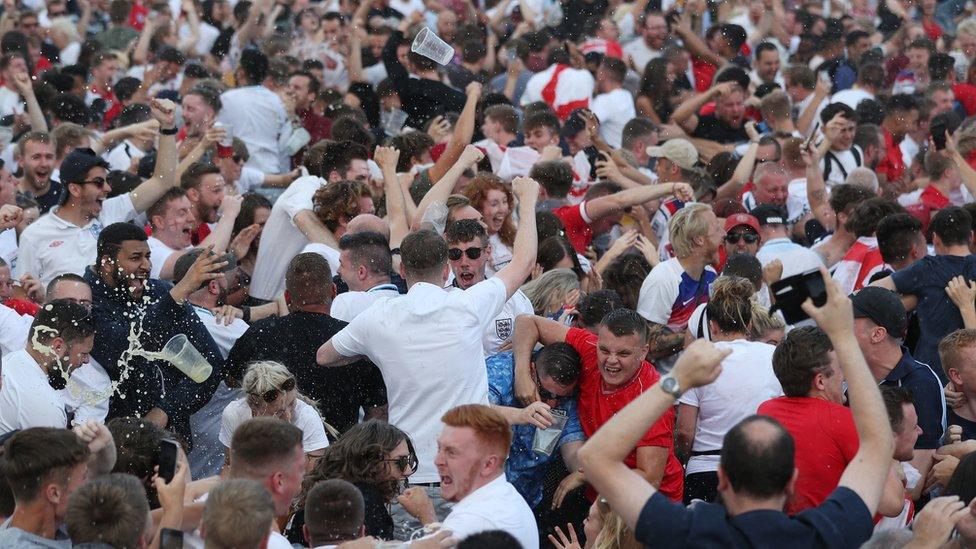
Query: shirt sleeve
{"points": [[464, 523], [313, 430], [912, 279], [930, 405], [486, 299], [584, 343], [352, 340], [117, 209], [372, 388], [229, 421], [298, 201], [663, 523], [27, 258], [657, 296], [500, 379], [13, 330], [573, 431], [691, 398], [842, 520]]}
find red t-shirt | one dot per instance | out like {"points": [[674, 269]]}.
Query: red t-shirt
{"points": [[826, 441], [893, 164], [966, 96], [597, 406], [23, 306], [577, 225], [112, 102], [200, 233]]}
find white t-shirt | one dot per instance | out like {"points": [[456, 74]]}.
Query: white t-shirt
{"points": [[258, 118], [614, 109], [747, 380], [348, 305], [160, 252], [281, 239], [842, 163], [659, 293], [428, 346], [121, 157], [495, 506], [501, 329], [27, 399], [249, 180], [305, 418], [851, 97], [640, 53], [14, 329], [796, 259], [328, 252], [52, 246], [8, 248], [88, 381]]}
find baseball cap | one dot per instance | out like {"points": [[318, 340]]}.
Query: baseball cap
{"points": [[769, 214], [883, 307], [680, 151], [74, 168], [738, 220], [183, 264]]}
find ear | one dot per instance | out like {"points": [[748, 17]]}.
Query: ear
{"points": [[446, 272], [213, 287], [333, 291], [53, 493], [288, 297], [305, 535], [791, 485], [955, 378], [361, 271], [723, 481], [334, 176]]}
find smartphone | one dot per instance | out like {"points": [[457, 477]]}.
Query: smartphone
{"points": [[791, 292], [938, 132], [168, 453], [813, 136]]}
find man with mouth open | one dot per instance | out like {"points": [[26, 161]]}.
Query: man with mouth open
{"points": [[63, 240]]}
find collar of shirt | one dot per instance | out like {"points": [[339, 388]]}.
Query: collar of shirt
{"points": [[382, 287], [62, 223], [905, 366], [783, 241], [485, 492]]}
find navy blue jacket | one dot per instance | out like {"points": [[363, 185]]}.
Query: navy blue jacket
{"points": [[155, 384]]}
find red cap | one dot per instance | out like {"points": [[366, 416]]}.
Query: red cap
{"points": [[741, 219]]}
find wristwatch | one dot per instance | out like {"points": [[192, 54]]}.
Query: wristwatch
{"points": [[669, 385]]}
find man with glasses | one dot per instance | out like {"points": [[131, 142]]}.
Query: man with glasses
{"points": [[741, 235], [63, 241]]}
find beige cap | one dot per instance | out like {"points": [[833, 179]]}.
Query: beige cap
{"points": [[680, 151]]}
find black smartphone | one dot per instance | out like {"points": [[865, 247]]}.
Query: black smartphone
{"points": [[938, 132], [791, 292], [168, 454]]}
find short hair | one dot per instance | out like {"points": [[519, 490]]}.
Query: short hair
{"points": [[541, 119], [594, 306], [896, 234], [867, 135], [473, 50], [869, 213], [423, 254], [636, 128], [465, 230], [40, 455], [192, 178], [687, 225], [940, 65], [208, 94], [313, 83], [489, 539], [800, 75], [560, 361], [490, 426], [369, 249], [412, 144], [63, 277], [308, 279], [616, 68], [506, 115], [349, 128], [334, 512], [338, 156], [844, 197], [254, 64], [765, 46], [62, 318], [953, 225], [936, 165], [855, 35], [238, 515], [957, 348], [775, 104], [833, 109], [625, 322], [894, 398], [900, 102], [339, 200], [137, 445], [31, 137], [159, 207], [756, 463], [555, 176], [66, 135], [871, 74], [111, 238], [802, 355], [110, 509], [260, 444]]}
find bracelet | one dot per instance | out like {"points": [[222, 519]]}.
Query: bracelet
{"points": [[246, 316], [168, 131]]}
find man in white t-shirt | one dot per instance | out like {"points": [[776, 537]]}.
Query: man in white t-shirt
{"points": [[365, 262], [472, 449], [60, 339], [427, 343], [870, 80], [654, 31], [776, 241], [772, 187], [614, 106], [293, 223], [842, 155], [63, 241]]}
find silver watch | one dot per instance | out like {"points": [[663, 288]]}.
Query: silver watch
{"points": [[669, 384]]}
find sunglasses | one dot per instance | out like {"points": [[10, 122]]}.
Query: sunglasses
{"points": [[405, 462], [98, 181], [271, 395], [237, 158], [733, 238], [543, 393], [455, 254]]}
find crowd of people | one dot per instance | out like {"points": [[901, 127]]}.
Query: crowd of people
{"points": [[487, 273]]}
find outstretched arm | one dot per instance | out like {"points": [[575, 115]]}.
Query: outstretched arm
{"points": [[606, 205], [164, 176], [526, 239], [529, 330]]}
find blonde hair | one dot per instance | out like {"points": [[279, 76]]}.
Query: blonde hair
{"points": [[557, 282], [64, 26], [763, 322], [614, 534], [266, 375], [687, 225], [966, 27], [730, 304]]}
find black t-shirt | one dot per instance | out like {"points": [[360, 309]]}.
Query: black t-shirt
{"points": [[711, 128], [377, 519], [49, 199], [968, 427], [293, 340], [841, 521]]}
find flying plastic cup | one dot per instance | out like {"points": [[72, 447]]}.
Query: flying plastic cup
{"points": [[394, 122], [428, 44], [181, 353]]}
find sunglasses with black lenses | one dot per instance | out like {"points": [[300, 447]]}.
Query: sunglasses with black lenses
{"points": [[271, 395], [454, 254], [733, 238], [405, 462]]}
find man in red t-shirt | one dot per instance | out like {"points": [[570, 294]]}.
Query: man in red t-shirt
{"points": [[103, 71], [813, 412], [204, 187], [613, 374], [901, 117], [598, 212]]}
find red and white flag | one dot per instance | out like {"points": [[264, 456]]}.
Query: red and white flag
{"points": [[562, 87]]}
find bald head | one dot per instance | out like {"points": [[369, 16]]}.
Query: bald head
{"points": [[757, 457], [368, 222], [863, 177]]}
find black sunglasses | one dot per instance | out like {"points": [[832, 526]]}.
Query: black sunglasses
{"points": [[404, 462], [455, 254], [97, 181], [733, 238], [543, 393], [237, 158], [271, 395]]}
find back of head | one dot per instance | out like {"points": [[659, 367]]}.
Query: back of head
{"points": [[110, 509], [868, 214], [490, 539], [40, 455], [730, 304], [261, 445], [896, 235], [339, 202], [594, 306], [338, 156], [560, 362], [963, 480], [423, 255], [64, 319], [953, 225], [555, 176], [757, 457], [799, 358], [489, 425], [137, 444], [238, 515], [368, 249], [863, 177], [308, 280], [844, 197], [334, 512], [255, 65]]}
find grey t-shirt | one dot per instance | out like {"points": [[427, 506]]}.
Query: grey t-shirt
{"points": [[17, 538]]}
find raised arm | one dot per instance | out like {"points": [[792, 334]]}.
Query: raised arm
{"points": [[817, 189], [606, 205], [445, 185], [965, 170], [693, 43], [23, 83], [686, 116], [164, 176], [463, 132], [866, 473], [529, 330], [743, 170], [396, 208], [188, 45], [140, 56], [526, 192], [602, 457], [314, 230]]}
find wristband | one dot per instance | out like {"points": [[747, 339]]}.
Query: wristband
{"points": [[224, 152], [246, 316], [168, 131]]}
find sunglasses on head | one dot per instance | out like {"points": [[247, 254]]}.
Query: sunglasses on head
{"points": [[271, 395], [733, 238], [455, 254], [405, 462]]}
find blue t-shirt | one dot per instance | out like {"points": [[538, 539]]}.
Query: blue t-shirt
{"points": [[938, 316], [525, 469], [927, 396], [841, 521]]}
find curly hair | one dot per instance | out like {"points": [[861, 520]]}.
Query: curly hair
{"points": [[477, 192], [625, 276], [339, 200], [357, 457]]}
